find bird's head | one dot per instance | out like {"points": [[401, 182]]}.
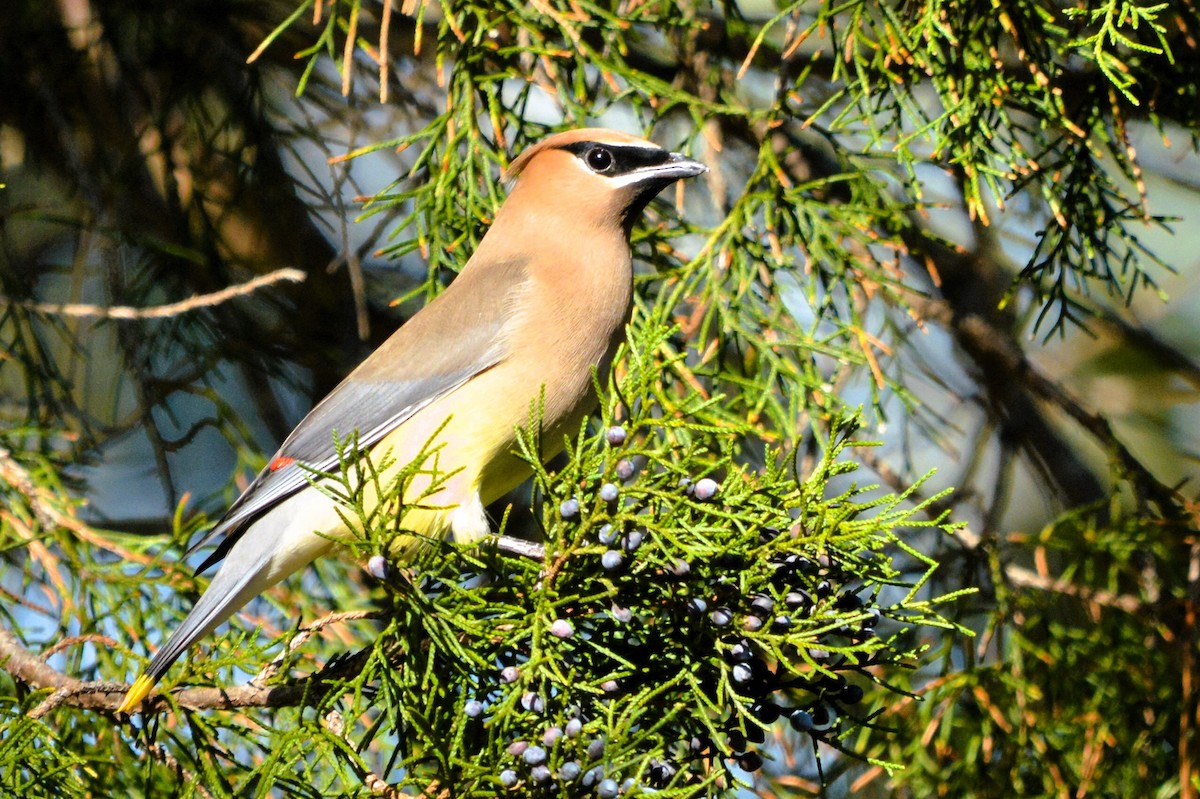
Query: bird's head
{"points": [[596, 176]]}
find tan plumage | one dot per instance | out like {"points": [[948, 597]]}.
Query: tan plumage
{"points": [[541, 302]]}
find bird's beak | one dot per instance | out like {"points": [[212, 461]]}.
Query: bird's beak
{"points": [[679, 167]]}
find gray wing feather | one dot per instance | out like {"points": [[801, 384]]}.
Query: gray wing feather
{"points": [[464, 325]]}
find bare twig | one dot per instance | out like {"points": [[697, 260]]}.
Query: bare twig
{"points": [[268, 671], [161, 311]]}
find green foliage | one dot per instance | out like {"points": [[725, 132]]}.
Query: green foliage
{"points": [[1055, 705], [659, 655]]}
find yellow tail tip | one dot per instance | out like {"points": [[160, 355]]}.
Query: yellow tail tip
{"points": [[140, 689]]}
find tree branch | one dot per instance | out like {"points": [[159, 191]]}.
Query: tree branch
{"points": [[161, 311]]}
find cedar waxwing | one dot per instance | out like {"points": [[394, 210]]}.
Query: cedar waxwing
{"points": [[541, 303]]}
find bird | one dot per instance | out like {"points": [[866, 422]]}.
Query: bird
{"points": [[534, 315]]}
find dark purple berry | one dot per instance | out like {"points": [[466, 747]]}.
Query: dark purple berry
{"points": [[823, 717], [801, 720], [762, 605], [751, 761], [797, 600], [851, 695]]}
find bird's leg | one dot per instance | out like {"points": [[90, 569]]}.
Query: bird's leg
{"points": [[519, 547]]}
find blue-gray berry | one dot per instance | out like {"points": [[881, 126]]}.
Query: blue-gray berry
{"points": [[596, 748], [517, 748], [609, 686], [705, 489], [534, 755], [742, 673], [623, 615], [570, 770], [697, 606], [680, 568], [615, 435], [508, 778], [509, 674], [573, 728], [540, 774], [532, 702], [609, 492], [569, 508], [592, 776], [608, 789], [608, 535], [561, 628], [752, 624], [551, 735], [722, 617], [625, 468], [612, 560], [633, 540], [377, 567], [473, 708]]}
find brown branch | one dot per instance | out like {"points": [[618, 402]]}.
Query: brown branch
{"points": [[161, 311], [1017, 576], [31, 670], [1003, 355]]}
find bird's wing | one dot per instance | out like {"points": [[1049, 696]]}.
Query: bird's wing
{"points": [[456, 337]]}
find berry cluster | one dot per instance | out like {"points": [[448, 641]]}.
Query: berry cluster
{"points": [[659, 642]]}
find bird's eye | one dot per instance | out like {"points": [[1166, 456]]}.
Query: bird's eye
{"points": [[599, 159]]}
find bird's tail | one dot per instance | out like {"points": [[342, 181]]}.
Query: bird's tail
{"points": [[235, 584]]}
